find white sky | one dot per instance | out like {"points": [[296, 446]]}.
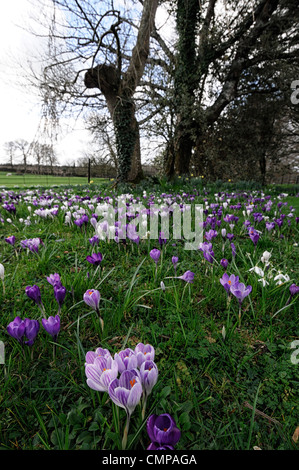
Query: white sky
{"points": [[20, 109]]}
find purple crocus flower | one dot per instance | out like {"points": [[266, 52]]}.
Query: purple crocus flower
{"points": [[188, 276], [224, 263], [16, 329], [94, 240], [99, 352], [240, 291], [270, 226], [228, 281], [32, 244], [254, 235], [95, 258], [31, 330], [126, 359], [230, 236], [294, 289], [210, 235], [144, 352], [59, 293], [101, 372], [11, 240], [33, 292], [207, 251], [52, 326], [54, 280], [92, 298], [126, 391], [148, 376], [155, 254], [162, 431], [162, 238]]}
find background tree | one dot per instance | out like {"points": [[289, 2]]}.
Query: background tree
{"points": [[108, 49], [231, 41], [10, 150]]}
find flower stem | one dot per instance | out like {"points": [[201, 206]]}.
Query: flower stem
{"points": [[126, 430]]}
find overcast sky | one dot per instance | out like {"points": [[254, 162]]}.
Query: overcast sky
{"points": [[20, 109]]}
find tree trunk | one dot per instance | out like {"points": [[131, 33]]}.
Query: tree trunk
{"points": [[127, 141], [183, 151], [122, 111]]}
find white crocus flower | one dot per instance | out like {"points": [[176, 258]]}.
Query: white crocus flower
{"points": [[258, 271], [2, 270], [266, 256], [281, 278], [263, 280]]}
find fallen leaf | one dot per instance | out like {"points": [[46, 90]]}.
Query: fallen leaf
{"points": [[296, 434]]}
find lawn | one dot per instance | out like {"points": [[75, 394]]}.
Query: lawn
{"points": [[27, 180], [225, 369]]}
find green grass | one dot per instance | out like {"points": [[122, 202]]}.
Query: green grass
{"points": [[43, 180], [213, 386]]}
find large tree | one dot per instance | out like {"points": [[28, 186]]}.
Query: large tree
{"points": [[100, 45], [230, 40]]}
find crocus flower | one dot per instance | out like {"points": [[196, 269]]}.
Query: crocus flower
{"points": [[148, 376], [210, 235], [144, 352], [101, 372], [52, 326], [188, 276], [99, 352], [228, 281], [207, 251], [254, 235], [126, 391], [155, 254], [31, 330], [11, 240], [126, 359], [54, 279], [266, 256], [94, 240], [59, 293], [240, 291], [270, 226], [294, 289], [32, 244], [224, 263], [162, 238], [92, 298], [33, 292], [16, 329], [162, 431], [95, 258]]}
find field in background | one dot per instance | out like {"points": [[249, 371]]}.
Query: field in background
{"points": [[42, 180]]}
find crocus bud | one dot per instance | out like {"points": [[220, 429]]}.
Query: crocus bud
{"points": [[33, 293], [52, 326]]}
